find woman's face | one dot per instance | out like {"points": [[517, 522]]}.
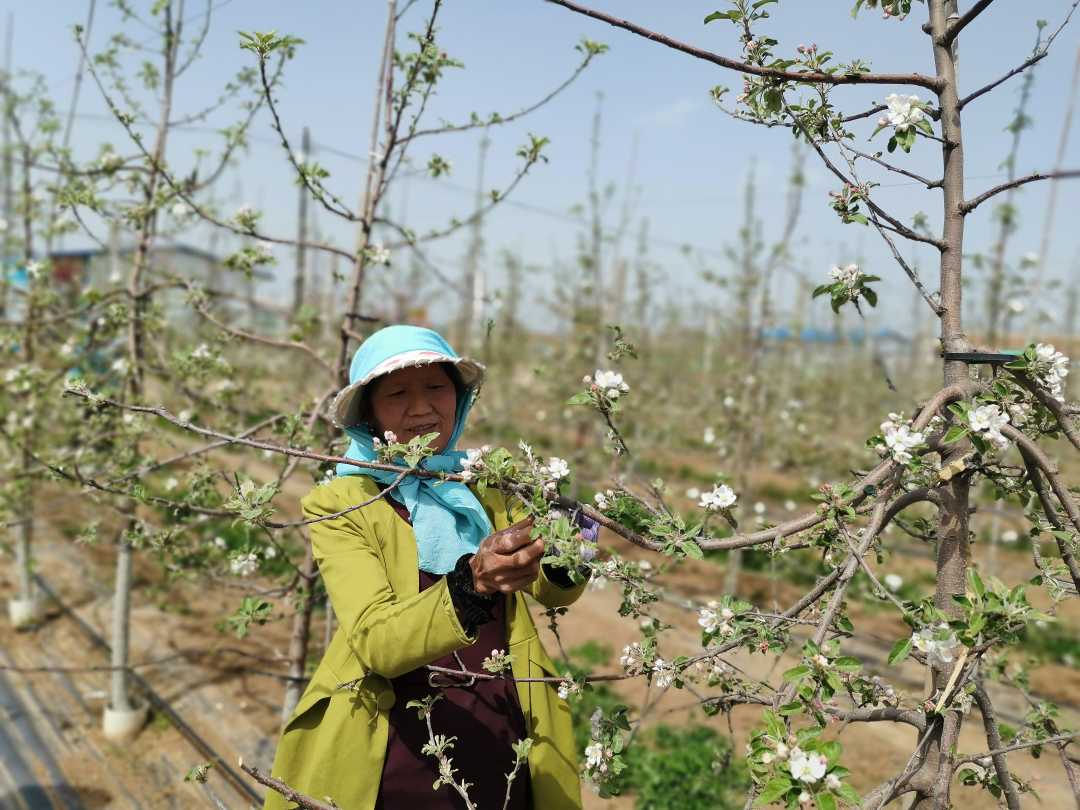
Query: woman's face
{"points": [[413, 401]]}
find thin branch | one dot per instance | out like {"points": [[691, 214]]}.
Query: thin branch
{"points": [[987, 88], [953, 31], [1019, 747], [285, 790], [917, 177], [498, 120], [970, 205], [993, 739], [808, 77]]}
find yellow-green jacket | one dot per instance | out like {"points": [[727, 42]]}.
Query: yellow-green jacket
{"points": [[335, 742]]}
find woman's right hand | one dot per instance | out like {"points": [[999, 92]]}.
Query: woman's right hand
{"points": [[508, 560]]}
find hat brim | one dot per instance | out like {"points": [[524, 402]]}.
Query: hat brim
{"points": [[345, 409]]}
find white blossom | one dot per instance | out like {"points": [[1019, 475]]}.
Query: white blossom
{"points": [[1016, 306], [181, 210], [989, 419], [904, 111], [557, 468], [940, 644], [171, 484], [219, 542], [244, 565], [1010, 536], [633, 659], [610, 382], [710, 436], [377, 253], [693, 493], [568, 688], [900, 440], [848, 275], [894, 582], [597, 757], [806, 766], [664, 672], [473, 457], [1051, 369], [34, 269], [729, 401], [603, 499], [720, 497]]}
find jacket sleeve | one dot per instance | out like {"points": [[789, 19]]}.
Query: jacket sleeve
{"points": [[389, 635], [543, 590]]}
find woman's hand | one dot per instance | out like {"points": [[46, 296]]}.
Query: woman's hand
{"points": [[508, 560]]}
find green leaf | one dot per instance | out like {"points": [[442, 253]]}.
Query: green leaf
{"points": [[825, 801], [900, 651], [955, 434], [870, 296], [723, 15], [846, 663], [849, 794], [579, 399], [795, 673], [773, 790], [976, 583]]}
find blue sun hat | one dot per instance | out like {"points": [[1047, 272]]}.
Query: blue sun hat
{"points": [[446, 516]]}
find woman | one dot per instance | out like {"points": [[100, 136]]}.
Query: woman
{"points": [[428, 573]]}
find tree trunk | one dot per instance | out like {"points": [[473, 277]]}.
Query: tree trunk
{"points": [[301, 633]]}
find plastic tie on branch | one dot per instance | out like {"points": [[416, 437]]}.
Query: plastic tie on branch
{"points": [[980, 358]]}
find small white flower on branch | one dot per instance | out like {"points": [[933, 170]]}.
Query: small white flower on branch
{"points": [[894, 582], [1010, 536], [939, 643], [806, 766], [597, 757], [181, 211], [244, 565], [498, 661], [1016, 306], [633, 659], [904, 111], [989, 419], [720, 497], [664, 673], [377, 253], [1051, 369], [710, 436], [900, 440], [473, 457], [557, 468], [848, 275], [610, 383], [171, 484]]}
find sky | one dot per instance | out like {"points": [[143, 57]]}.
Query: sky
{"points": [[689, 161]]}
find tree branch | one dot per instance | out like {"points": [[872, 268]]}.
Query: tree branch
{"points": [[968, 206], [809, 77], [954, 30]]}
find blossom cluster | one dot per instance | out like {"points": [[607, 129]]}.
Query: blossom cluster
{"points": [[719, 497], [900, 439], [498, 661], [849, 275], [1051, 369], [903, 112], [715, 619], [608, 383], [939, 643], [989, 419]]}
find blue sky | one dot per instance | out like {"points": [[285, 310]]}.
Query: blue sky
{"points": [[691, 159]]}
